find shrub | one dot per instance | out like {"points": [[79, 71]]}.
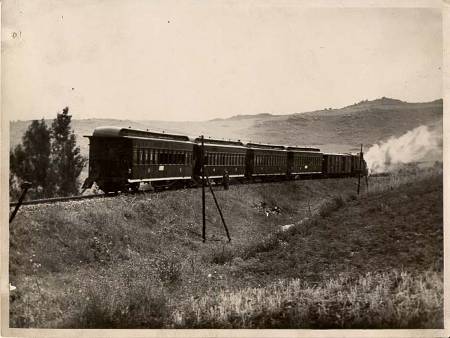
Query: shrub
{"points": [[138, 306], [219, 255], [168, 269], [330, 206]]}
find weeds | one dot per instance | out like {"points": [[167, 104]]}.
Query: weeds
{"points": [[139, 262], [169, 269], [219, 255], [140, 305], [330, 206], [383, 300]]}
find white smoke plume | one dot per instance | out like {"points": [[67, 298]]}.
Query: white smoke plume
{"points": [[417, 145]]}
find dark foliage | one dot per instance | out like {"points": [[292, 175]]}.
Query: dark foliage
{"points": [[30, 161], [66, 157]]}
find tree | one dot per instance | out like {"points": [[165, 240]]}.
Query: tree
{"points": [[66, 158], [30, 161]]}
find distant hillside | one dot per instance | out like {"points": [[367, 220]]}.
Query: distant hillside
{"points": [[341, 129]]}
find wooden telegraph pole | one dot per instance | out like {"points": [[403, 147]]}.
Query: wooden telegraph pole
{"points": [[203, 189], [359, 171]]}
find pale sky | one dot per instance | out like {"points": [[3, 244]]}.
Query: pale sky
{"points": [[198, 60]]}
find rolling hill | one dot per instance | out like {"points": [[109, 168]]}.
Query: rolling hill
{"points": [[340, 130]]}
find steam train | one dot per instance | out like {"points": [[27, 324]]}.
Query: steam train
{"points": [[120, 159]]}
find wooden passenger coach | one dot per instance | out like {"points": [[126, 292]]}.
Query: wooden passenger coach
{"points": [[265, 160], [304, 161], [220, 156], [121, 157]]}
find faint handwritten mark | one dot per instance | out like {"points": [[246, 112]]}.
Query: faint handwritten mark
{"points": [[16, 35]]}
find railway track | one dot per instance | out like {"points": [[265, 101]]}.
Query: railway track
{"points": [[103, 195], [62, 199]]}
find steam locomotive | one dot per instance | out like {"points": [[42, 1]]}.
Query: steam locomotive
{"points": [[120, 159]]}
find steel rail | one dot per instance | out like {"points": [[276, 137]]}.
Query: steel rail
{"points": [[61, 199], [103, 195]]}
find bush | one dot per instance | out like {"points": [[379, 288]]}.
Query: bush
{"points": [[219, 255], [330, 206], [138, 306], [169, 269]]}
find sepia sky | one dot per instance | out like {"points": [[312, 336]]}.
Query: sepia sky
{"points": [[195, 60]]}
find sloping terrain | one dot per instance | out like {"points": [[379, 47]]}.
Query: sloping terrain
{"points": [[340, 130], [373, 261]]}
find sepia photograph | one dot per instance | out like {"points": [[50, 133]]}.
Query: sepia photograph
{"points": [[222, 165]]}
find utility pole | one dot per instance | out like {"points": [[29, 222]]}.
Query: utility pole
{"points": [[203, 188], [360, 168]]}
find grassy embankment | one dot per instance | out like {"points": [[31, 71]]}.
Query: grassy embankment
{"points": [[373, 261]]}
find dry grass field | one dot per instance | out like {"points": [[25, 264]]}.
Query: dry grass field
{"points": [[345, 261]]}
